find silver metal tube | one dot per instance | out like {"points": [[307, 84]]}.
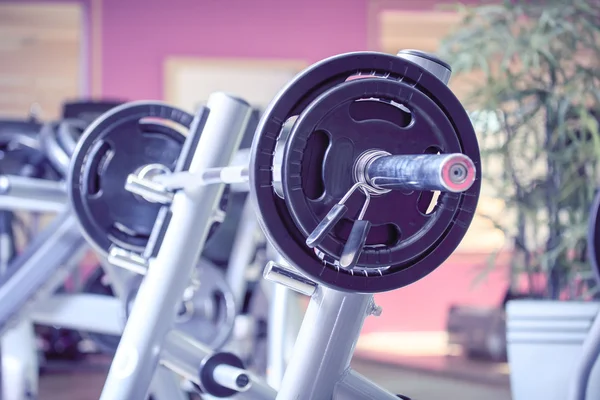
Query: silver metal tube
{"points": [[168, 274], [183, 355], [354, 386], [188, 181], [80, 312], [233, 174], [242, 157], [232, 378], [278, 316], [243, 251], [57, 155], [127, 260], [258, 390], [318, 361], [293, 323], [149, 190], [236, 175], [31, 194], [8, 247], [278, 307], [589, 357], [286, 277], [444, 172], [41, 268], [162, 386]]}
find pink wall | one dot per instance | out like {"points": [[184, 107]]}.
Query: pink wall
{"points": [[139, 34], [423, 306]]}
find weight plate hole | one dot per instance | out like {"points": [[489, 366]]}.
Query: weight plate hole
{"points": [[433, 150], [312, 164], [381, 235], [427, 202], [98, 165], [373, 109]]}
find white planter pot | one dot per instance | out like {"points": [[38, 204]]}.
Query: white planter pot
{"points": [[544, 344]]}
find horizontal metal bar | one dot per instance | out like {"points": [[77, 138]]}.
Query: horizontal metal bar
{"points": [[183, 355], [232, 378], [210, 176], [443, 172], [354, 386], [293, 280], [32, 194], [83, 312]]}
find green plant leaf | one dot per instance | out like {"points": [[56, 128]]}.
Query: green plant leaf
{"points": [[546, 149]]}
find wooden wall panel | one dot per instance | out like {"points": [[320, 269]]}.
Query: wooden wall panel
{"points": [[40, 49], [421, 30], [417, 30], [189, 81]]}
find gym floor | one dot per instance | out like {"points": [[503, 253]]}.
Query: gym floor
{"points": [[419, 384]]}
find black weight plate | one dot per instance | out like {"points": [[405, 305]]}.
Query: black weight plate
{"points": [[389, 131], [593, 238], [88, 110], [273, 212], [114, 146]]}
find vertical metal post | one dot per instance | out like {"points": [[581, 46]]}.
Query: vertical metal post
{"points": [[168, 274], [7, 252], [283, 325], [276, 335], [294, 317], [325, 344], [243, 250]]}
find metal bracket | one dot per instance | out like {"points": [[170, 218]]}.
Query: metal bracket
{"points": [[284, 276], [128, 260], [374, 309], [148, 189]]}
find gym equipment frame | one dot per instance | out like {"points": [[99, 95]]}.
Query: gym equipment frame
{"points": [[341, 287]]}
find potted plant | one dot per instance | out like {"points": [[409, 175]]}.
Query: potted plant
{"points": [[533, 75]]}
